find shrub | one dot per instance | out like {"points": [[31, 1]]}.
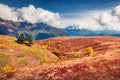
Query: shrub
{"points": [[50, 43], [4, 59], [11, 50], [21, 61], [19, 55], [39, 53], [77, 55], [59, 46], [62, 58], [56, 52], [88, 51], [9, 68], [29, 41], [45, 46]]}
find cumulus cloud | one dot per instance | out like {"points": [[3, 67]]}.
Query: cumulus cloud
{"points": [[103, 19], [116, 11], [8, 13], [29, 14], [110, 20], [36, 15], [97, 20]]}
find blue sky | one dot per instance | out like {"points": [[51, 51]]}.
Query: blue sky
{"points": [[77, 12], [64, 6]]}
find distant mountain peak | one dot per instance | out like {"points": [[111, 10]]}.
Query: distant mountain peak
{"points": [[76, 30], [73, 27]]}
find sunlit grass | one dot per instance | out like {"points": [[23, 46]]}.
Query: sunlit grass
{"points": [[20, 53]]}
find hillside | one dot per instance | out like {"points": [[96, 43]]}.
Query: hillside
{"points": [[38, 30], [12, 52], [100, 44], [103, 65]]}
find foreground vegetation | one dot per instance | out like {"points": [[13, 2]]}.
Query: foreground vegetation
{"points": [[15, 55], [46, 61]]}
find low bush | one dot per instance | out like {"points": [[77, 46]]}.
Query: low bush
{"points": [[21, 61], [39, 53], [19, 55], [4, 59], [76, 55], [89, 51], [57, 54], [9, 68]]}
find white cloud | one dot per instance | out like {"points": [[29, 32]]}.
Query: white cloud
{"points": [[83, 20], [108, 19], [103, 19], [116, 11], [95, 19], [29, 14], [36, 15], [8, 13]]}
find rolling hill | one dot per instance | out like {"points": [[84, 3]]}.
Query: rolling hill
{"points": [[12, 52], [103, 65]]}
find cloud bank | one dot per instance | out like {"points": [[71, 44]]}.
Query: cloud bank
{"points": [[97, 19], [102, 20], [29, 14]]}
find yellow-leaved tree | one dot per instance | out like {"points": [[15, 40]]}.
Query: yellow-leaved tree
{"points": [[89, 52]]}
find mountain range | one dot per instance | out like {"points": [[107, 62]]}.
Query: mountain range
{"points": [[76, 31], [43, 31], [38, 30]]}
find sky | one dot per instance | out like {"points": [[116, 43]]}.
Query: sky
{"points": [[86, 14]]}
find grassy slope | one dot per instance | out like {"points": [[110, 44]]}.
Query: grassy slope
{"points": [[74, 44], [22, 54], [98, 68], [105, 65]]}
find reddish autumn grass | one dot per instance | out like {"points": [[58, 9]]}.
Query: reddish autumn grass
{"points": [[108, 70], [74, 44], [79, 69], [105, 65]]}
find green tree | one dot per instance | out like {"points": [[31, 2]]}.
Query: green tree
{"points": [[29, 40], [25, 40], [21, 38]]}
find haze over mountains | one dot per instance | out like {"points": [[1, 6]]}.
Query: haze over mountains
{"points": [[76, 31]]}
